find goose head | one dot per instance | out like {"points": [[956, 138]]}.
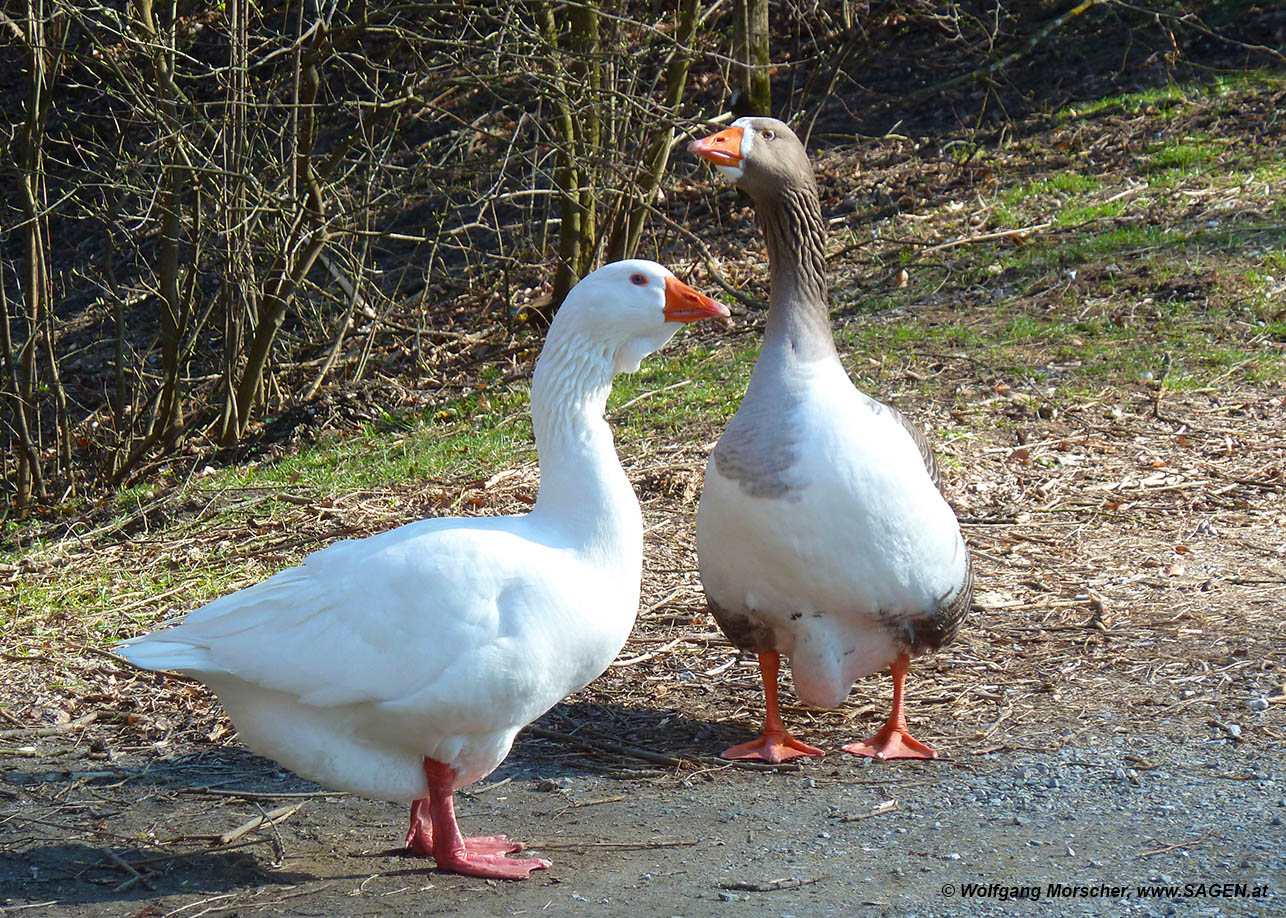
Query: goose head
{"points": [[756, 154], [632, 308]]}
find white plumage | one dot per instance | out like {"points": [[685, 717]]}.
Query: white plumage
{"points": [[401, 666], [441, 638]]}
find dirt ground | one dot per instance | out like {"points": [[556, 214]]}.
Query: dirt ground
{"points": [[1113, 713]]}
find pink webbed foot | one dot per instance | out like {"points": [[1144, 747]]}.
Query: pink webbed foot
{"points": [[491, 844], [484, 856], [773, 747], [435, 833], [419, 838], [776, 745]]}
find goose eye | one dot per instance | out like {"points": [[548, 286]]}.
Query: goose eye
{"points": [[638, 280], [767, 134]]}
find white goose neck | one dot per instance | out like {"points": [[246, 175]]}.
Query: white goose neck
{"points": [[583, 490]]}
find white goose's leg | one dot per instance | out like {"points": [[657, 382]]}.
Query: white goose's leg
{"points": [[479, 856]]}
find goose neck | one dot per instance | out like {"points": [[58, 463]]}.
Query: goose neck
{"points": [[795, 237], [583, 490]]}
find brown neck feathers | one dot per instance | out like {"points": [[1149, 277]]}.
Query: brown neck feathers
{"points": [[795, 237]]}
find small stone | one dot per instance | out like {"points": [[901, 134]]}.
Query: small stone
{"points": [[1258, 704], [728, 897]]}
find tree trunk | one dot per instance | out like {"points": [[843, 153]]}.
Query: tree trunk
{"points": [[578, 129], [751, 51], [173, 309], [34, 282]]}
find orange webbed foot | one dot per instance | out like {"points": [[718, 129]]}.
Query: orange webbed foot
{"points": [[773, 748], [892, 742]]}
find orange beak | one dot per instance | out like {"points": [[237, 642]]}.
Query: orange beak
{"points": [[722, 149], [683, 304]]}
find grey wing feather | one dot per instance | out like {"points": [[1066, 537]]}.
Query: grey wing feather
{"points": [[926, 451], [941, 627]]}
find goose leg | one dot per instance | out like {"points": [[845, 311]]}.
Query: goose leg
{"points": [[478, 856], [776, 745], [419, 838], [894, 741]]}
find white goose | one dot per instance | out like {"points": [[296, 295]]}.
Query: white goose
{"points": [[821, 533], [401, 666]]}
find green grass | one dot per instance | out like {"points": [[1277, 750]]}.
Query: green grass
{"points": [[1156, 97], [1063, 182], [1182, 157], [1076, 214], [462, 439]]}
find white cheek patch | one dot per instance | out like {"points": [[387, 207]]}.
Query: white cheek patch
{"points": [[730, 174], [733, 173]]}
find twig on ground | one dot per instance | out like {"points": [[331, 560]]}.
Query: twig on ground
{"points": [[261, 795], [542, 846], [886, 807], [1187, 844], [638, 398], [271, 818], [1019, 233], [598, 745], [1160, 390], [68, 727], [772, 885], [135, 876], [640, 658]]}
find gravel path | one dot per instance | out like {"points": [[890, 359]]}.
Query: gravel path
{"points": [[841, 836]]}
